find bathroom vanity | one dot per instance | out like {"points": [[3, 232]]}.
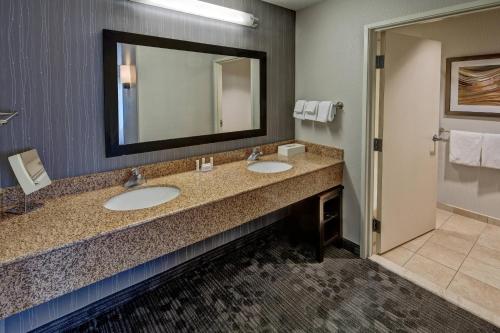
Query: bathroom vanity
{"points": [[74, 240], [91, 227]]}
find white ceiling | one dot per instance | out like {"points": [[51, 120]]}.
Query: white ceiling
{"points": [[293, 4]]}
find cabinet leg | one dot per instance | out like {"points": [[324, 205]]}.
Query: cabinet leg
{"points": [[320, 244], [320, 252]]}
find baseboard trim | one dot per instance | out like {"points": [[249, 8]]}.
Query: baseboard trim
{"points": [[468, 213], [350, 246]]}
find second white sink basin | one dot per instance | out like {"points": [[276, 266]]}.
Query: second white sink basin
{"points": [[141, 198], [269, 167]]}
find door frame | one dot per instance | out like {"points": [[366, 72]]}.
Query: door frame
{"points": [[217, 65], [368, 102], [217, 90]]}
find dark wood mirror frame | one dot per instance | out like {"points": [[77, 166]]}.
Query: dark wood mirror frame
{"points": [[110, 41]]}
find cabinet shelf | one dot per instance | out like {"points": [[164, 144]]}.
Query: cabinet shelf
{"points": [[329, 218], [332, 239]]}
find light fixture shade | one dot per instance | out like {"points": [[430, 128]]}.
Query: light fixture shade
{"points": [[205, 9]]}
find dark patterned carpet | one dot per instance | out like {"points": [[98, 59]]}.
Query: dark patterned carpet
{"points": [[273, 287]]}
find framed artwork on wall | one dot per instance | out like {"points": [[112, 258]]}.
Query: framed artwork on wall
{"points": [[473, 86]]}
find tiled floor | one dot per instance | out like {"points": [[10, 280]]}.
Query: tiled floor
{"points": [[462, 256], [268, 285]]}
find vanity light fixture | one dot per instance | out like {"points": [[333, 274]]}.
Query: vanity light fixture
{"points": [[127, 76], [205, 9]]}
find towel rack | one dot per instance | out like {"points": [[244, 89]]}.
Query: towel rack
{"points": [[6, 116]]}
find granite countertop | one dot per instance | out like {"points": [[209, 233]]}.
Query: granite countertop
{"points": [[71, 219]]}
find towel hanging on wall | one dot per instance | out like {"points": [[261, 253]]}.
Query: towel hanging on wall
{"points": [[326, 111], [311, 110], [298, 111], [333, 111], [323, 112], [490, 155], [465, 148]]}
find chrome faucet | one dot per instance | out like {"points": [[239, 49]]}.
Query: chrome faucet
{"points": [[256, 153], [136, 179]]}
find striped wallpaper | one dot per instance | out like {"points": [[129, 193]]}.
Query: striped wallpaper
{"points": [[51, 73]]}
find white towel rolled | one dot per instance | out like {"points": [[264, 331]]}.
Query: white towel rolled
{"points": [[298, 111], [465, 148], [311, 110], [491, 151]]}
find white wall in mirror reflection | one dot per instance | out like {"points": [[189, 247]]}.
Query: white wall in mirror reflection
{"points": [[178, 94]]}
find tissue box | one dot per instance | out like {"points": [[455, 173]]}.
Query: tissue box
{"points": [[291, 149]]}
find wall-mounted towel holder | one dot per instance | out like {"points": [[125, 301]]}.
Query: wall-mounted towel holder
{"points": [[439, 137], [339, 106], [323, 112], [5, 117]]}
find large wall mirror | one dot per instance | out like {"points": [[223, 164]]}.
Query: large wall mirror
{"points": [[162, 93]]}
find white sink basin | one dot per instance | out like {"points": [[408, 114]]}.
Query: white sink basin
{"points": [[269, 167], [141, 198]]}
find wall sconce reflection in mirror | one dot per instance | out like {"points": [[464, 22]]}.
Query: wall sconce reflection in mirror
{"points": [[5, 117], [127, 76]]}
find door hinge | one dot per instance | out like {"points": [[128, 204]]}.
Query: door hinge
{"points": [[221, 123], [376, 225], [380, 61], [377, 144]]}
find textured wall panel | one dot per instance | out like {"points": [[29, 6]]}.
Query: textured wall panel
{"points": [[51, 73]]}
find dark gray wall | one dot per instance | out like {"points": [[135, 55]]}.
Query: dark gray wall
{"points": [[51, 72]]}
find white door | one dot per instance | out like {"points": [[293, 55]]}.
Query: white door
{"points": [[236, 96], [410, 118]]}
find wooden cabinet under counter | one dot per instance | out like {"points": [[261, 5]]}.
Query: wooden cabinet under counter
{"points": [[318, 219]]}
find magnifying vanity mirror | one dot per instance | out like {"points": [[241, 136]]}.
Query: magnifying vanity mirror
{"points": [[163, 93], [31, 175]]}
